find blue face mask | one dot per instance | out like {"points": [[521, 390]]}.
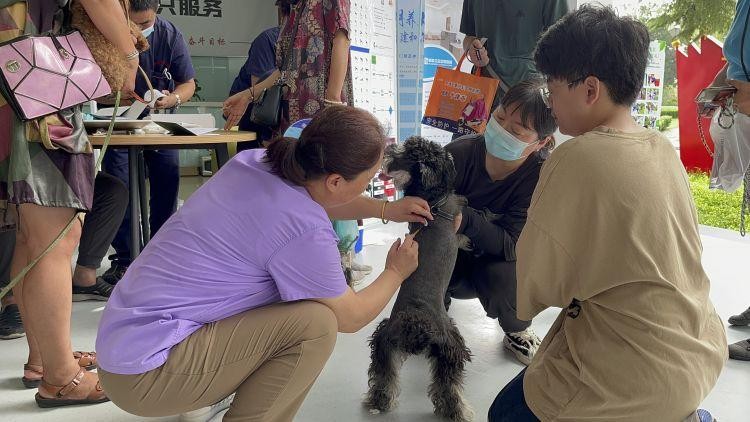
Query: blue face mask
{"points": [[148, 31], [502, 144]]}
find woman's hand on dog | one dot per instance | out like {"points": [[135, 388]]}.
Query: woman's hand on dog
{"points": [[409, 210], [403, 258]]}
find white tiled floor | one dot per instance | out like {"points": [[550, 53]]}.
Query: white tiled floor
{"points": [[338, 392]]}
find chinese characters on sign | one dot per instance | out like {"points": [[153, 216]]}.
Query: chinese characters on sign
{"points": [[205, 8], [219, 28], [410, 22], [203, 41]]}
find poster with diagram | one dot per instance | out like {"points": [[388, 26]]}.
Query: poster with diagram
{"points": [[383, 66], [647, 108], [373, 47], [373, 63]]}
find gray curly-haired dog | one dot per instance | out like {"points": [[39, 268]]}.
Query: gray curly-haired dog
{"points": [[419, 323]]}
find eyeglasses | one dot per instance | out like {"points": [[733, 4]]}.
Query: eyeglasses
{"points": [[544, 91]]}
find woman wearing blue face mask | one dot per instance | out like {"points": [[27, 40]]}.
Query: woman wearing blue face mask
{"points": [[497, 173]]}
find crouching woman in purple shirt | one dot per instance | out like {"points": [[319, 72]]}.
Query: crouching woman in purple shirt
{"points": [[242, 291]]}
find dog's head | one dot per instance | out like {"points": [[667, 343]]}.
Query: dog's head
{"points": [[420, 168]]}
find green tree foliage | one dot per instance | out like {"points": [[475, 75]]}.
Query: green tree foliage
{"points": [[689, 20]]}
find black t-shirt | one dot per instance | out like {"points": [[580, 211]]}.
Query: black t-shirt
{"points": [[509, 198]]}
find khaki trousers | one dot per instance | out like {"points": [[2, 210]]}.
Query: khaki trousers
{"points": [[269, 357]]}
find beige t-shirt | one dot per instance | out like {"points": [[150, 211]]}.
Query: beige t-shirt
{"points": [[612, 229]]}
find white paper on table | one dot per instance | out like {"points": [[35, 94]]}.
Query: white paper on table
{"points": [[201, 130], [181, 128]]}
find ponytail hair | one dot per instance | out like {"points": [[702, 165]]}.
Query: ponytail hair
{"points": [[281, 155], [339, 140]]}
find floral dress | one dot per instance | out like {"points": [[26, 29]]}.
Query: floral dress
{"points": [[30, 172], [306, 60]]}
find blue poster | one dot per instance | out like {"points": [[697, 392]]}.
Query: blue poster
{"points": [[436, 56], [410, 23]]}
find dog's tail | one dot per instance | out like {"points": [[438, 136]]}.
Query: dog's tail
{"points": [[416, 329]]}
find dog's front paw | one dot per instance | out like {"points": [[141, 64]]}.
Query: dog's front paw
{"points": [[452, 405], [379, 401], [464, 243], [460, 413]]}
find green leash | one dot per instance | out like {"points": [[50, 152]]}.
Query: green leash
{"points": [[20, 276]]}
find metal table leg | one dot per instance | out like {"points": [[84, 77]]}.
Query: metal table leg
{"points": [[222, 154], [135, 230], [145, 227]]}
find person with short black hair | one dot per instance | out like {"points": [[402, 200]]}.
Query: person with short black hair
{"points": [[612, 238]]}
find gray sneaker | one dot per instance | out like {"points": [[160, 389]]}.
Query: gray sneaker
{"points": [[741, 319], [740, 350]]}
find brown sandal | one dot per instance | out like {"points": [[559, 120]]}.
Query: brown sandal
{"points": [[32, 382], [59, 393], [86, 360]]}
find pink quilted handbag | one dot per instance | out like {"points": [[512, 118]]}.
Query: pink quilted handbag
{"points": [[44, 74]]}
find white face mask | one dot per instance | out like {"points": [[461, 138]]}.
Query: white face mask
{"points": [[148, 31]]}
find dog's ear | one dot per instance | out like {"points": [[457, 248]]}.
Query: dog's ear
{"points": [[428, 175]]}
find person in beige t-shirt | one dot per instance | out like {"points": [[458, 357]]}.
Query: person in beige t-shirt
{"points": [[612, 238]]}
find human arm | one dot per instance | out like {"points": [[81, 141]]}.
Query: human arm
{"points": [[182, 71], [545, 273], [339, 67], [493, 234], [336, 22], [742, 96], [236, 105], [354, 310], [472, 44], [185, 92], [405, 210], [109, 19]]}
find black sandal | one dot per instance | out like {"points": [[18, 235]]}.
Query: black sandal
{"points": [[101, 290]]}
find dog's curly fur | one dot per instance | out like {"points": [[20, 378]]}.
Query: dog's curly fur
{"points": [[419, 323], [113, 63]]}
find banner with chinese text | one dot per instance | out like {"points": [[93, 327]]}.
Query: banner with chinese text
{"points": [[223, 28]]}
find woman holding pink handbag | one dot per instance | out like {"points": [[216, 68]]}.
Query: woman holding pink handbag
{"points": [[41, 189]]}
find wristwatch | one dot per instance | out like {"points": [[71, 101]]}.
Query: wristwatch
{"points": [[179, 100]]}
